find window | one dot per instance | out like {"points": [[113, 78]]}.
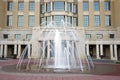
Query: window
{"points": [[99, 36], [69, 19], [107, 20], [28, 36], [20, 6], [20, 20], [42, 8], [88, 36], [107, 5], [111, 35], [9, 20], [31, 6], [86, 20], [75, 8], [31, 20], [58, 6], [17, 36], [97, 20], [58, 19], [69, 7], [48, 19], [75, 22], [96, 6], [42, 21], [48, 7], [85, 6], [5, 36], [10, 6]]}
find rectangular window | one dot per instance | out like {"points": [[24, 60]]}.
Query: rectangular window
{"points": [[96, 6], [97, 20], [31, 6], [29, 36], [5, 36], [58, 6], [58, 19], [42, 21], [85, 6], [9, 20], [111, 35], [20, 20], [99, 36], [75, 8], [20, 6], [107, 5], [69, 7], [107, 20], [86, 20], [75, 23], [10, 6], [17, 36], [42, 8], [88, 36], [31, 20], [48, 7], [48, 19], [69, 19]]}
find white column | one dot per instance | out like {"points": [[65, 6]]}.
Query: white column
{"points": [[19, 51], [29, 51], [101, 49], [1, 50], [97, 51], [5, 51], [87, 48], [115, 52], [111, 51], [15, 49], [73, 48], [48, 50]]}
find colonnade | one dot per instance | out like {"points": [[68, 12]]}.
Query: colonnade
{"points": [[17, 50], [99, 51]]}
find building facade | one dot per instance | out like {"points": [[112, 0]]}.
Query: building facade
{"points": [[99, 18]]}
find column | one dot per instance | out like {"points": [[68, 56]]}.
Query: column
{"points": [[29, 51], [1, 50], [115, 52], [73, 47], [19, 51], [111, 51], [5, 51], [87, 49], [97, 51], [101, 49], [48, 50], [15, 49]]}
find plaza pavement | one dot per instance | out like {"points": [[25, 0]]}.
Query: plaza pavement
{"points": [[4, 75]]}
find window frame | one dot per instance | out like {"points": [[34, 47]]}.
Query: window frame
{"points": [[20, 20], [31, 6], [84, 6], [31, 20], [56, 8], [96, 6], [9, 20], [20, 5]]}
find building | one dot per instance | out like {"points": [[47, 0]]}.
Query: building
{"points": [[99, 18]]}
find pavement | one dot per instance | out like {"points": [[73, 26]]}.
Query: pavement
{"points": [[109, 72]]}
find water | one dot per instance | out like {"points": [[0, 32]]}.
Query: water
{"points": [[56, 49]]}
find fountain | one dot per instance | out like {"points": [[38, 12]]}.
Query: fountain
{"points": [[56, 49]]}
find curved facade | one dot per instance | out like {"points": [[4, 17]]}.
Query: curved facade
{"points": [[98, 18]]}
